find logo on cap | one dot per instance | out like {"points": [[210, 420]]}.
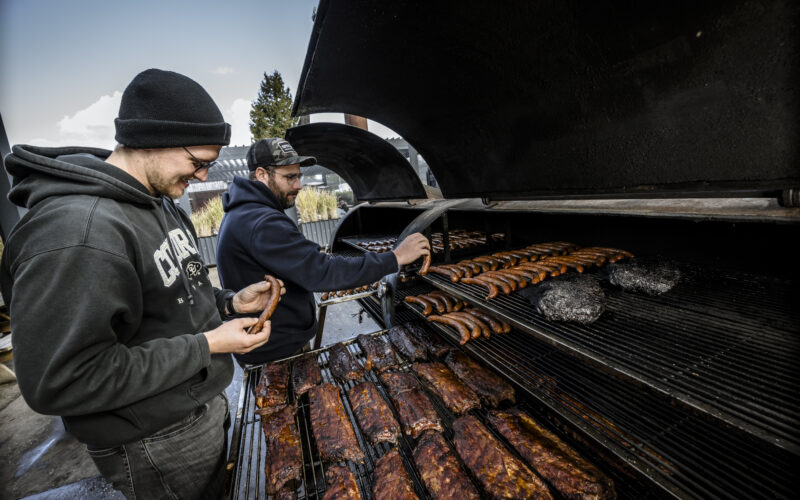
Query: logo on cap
{"points": [[287, 148]]}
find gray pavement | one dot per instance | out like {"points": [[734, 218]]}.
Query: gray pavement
{"points": [[40, 460]]}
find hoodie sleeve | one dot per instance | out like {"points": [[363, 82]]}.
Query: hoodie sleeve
{"points": [[68, 353], [280, 247]]}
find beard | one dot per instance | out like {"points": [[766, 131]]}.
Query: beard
{"points": [[171, 187], [285, 198]]}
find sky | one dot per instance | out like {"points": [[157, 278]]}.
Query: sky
{"points": [[64, 64]]}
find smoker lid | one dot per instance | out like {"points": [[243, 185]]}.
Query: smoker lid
{"points": [[522, 100], [373, 168]]}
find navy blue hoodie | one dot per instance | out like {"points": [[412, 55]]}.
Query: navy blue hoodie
{"points": [[109, 299], [256, 237]]}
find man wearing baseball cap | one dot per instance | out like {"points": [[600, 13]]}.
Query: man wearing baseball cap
{"points": [[256, 237], [117, 328]]}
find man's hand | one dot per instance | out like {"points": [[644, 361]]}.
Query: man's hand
{"points": [[254, 297], [412, 248], [232, 336]]}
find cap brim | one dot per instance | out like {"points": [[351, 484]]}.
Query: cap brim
{"points": [[304, 161]]}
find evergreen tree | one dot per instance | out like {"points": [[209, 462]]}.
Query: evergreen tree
{"points": [[270, 114]]}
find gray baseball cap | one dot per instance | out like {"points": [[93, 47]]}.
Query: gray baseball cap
{"points": [[276, 152]]}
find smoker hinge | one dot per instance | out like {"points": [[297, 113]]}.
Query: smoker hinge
{"points": [[488, 202], [790, 198]]}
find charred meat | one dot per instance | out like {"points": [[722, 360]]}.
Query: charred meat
{"points": [[343, 366], [438, 467], [411, 348], [336, 440], [271, 390], [373, 414], [284, 456], [416, 411], [341, 484], [489, 386], [435, 345], [305, 373], [454, 394], [392, 481], [379, 353]]}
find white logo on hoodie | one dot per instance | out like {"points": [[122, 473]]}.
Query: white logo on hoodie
{"points": [[163, 257]]}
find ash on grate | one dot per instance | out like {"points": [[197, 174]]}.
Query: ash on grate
{"points": [[570, 297], [653, 276]]}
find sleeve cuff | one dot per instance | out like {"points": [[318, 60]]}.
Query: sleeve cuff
{"points": [[203, 351]]}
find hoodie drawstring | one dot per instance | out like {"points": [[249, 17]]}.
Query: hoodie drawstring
{"points": [[163, 221]]}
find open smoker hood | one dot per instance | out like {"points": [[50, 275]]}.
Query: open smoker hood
{"points": [[525, 100]]}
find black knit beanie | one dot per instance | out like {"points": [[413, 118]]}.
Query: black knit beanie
{"points": [[163, 109]]}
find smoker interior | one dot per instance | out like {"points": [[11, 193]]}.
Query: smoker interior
{"points": [[677, 386], [250, 450]]}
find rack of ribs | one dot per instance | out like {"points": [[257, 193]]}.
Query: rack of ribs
{"points": [[489, 386], [432, 342], [411, 348], [438, 467], [286, 493], [373, 414], [284, 456], [415, 410], [556, 462], [379, 353], [501, 473], [336, 440], [343, 366], [271, 391], [454, 394], [305, 373], [341, 484], [392, 481]]}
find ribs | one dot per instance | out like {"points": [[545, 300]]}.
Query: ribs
{"points": [[336, 440], [411, 348], [438, 467], [392, 481], [305, 373], [415, 410], [284, 456], [456, 396], [490, 387], [431, 341], [373, 414], [501, 473], [342, 364], [560, 465], [271, 391], [341, 484], [379, 354]]}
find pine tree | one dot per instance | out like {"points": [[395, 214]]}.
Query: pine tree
{"points": [[270, 114]]}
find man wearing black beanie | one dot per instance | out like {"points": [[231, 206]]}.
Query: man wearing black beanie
{"points": [[117, 328]]}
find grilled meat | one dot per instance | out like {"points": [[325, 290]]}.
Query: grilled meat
{"points": [[392, 481], [336, 440], [432, 342], [373, 414], [379, 353], [438, 467], [556, 462], [284, 456], [411, 348], [489, 386], [271, 390], [341, 484], [456, 396], [305, 373], [286, 493], [343, 366], [501, 473], [415, 410]]}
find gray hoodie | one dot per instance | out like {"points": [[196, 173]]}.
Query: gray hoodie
{"points": [[108, 298]]}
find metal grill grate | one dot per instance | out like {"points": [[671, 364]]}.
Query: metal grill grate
{"points": [[682, 453], [716, 343], [249, 479]]}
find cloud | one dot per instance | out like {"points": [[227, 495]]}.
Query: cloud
{"points": [[92, 126], [223, 70], [238, 115]]}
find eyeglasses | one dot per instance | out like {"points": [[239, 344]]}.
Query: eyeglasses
{"points": [[290, 178], [201, 165]]}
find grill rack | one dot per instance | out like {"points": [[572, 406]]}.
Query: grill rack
{"points": [[681, 453], [719, 370], [248, 454]]}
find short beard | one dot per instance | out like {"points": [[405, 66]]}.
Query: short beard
{"points": [[283, 198]]}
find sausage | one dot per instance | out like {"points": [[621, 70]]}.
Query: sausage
{"points": [[449, 300], [426, 265], [505, 284], [552, 267], [567, 262], [532, 276], [427, 308], [493, 263], [466, 270], [491, 287], [488, 319], [324, 296], [458, 324], [272, 303], [514, 280], [454, 277], [483, 266], [438, 302], [482, 328]]}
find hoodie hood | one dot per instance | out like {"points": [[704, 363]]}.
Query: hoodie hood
{"points": [[40, 173], [243, 191]]}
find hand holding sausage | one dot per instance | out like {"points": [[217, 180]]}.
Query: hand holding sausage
{"points": [[232, 338], [254, 298], [412, 248]]}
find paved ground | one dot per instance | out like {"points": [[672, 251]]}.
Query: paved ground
{"points": [[41, 461]]}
